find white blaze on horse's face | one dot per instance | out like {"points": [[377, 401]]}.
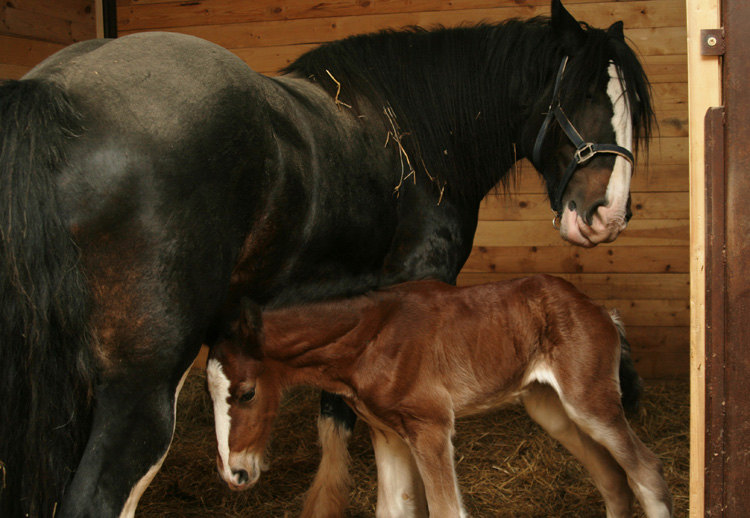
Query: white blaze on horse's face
{"points": [[242, 468], [218, 387], [610, 219], [618, 188]]}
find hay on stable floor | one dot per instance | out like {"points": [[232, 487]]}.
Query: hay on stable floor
{"points": [[507, 466]]}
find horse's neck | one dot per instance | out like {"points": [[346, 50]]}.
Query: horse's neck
{"points": [[457, 99], [316, 344]]}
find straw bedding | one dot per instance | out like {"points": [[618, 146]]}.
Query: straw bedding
{"points": [[507, 466]]}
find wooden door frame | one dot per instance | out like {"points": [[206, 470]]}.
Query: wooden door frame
{"points": [[704, 91]]}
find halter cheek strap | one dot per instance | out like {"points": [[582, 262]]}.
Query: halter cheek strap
{"points": [[584, 152]]}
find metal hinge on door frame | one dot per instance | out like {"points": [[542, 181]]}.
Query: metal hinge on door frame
{"points": [[712, 42]]}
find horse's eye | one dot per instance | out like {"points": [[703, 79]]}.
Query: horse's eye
{"points": [[247, 396]]}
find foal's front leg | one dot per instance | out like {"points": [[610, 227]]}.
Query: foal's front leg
{"points": [[400, 488], [432, 448]]}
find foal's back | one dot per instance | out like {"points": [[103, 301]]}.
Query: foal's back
{"points": [[480, 344]]}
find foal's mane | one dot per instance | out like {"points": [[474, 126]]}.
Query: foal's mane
{"points": [[460, 95]]}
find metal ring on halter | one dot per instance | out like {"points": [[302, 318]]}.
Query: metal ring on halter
{"points": [[556, 220]]}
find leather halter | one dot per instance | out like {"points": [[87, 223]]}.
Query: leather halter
{"points": [[584, 152]]}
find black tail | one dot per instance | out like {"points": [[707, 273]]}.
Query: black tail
{"points": [[631, 384], [45, 358]]}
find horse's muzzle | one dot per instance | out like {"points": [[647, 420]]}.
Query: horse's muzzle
{"points": [[604, 225]]}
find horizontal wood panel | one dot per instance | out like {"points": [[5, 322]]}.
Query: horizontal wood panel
{"points": [[566, 259], [45, 27], [12, 71], [651, 313], [25, 52], [139, 16], [663, 365], [474, 3], [671, 68], [663, 339], [650, 177], [651, 232], [606, 286], [668, 40], [645, 205], [70, 10]]}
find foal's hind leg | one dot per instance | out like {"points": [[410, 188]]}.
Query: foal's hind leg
{"points": [[544, 407], [602, 418]]}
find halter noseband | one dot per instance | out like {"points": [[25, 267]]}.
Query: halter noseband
{"points": [[584, 152]]}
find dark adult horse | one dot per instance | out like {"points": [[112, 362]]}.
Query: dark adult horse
{"points": [[146, 180]]}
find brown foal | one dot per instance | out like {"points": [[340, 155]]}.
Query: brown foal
{"points": [[411, 359]]}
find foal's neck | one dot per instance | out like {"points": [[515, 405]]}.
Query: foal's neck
{"points": [[317, 344]]}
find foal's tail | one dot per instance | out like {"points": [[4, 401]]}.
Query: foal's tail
{"points": [[45, 363], [631, 384]]}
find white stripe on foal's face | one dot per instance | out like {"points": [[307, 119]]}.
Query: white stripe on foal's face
{"points": [[218, 387], [618, 188]]}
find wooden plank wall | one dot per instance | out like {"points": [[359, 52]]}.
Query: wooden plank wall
{"points": [[644, 273], [31, 30]]}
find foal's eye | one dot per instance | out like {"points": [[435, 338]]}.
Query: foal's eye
{"points": [[247, 396]]}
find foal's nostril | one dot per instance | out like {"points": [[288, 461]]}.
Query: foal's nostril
{"points": [[241, 476], [572, 205]]}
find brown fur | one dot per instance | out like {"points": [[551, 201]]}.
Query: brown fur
{"points": [[412, 358]]}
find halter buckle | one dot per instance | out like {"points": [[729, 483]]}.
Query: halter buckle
{"points": [[584, 153]]}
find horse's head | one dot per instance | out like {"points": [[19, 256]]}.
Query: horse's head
{"points": [[246, 396], [581, 133]]}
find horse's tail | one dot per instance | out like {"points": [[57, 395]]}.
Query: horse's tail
{"points": [[631, 384], [46, 368]]}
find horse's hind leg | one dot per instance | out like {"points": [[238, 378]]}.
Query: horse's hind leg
{"points": [[132, 429], [145, 344], [603, 418], [545, 407], [130, 435]]}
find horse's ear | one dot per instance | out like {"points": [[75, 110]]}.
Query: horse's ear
{"points": [[251, 319], [615, 30], [566, 28]]}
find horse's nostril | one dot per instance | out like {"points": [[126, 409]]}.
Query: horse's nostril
{"points": [[240, 476], [588, 217], [572, 205]]}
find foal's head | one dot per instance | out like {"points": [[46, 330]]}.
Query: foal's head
{"points": [[246, 393]]}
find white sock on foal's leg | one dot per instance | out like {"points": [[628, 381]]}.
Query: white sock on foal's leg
{"points": [[400, 488]]}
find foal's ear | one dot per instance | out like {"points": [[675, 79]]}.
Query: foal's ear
{"points": [[566, 28], [250, 324], [615, 30]]}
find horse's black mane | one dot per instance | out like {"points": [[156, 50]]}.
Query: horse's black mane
{"points": [[456, 92]]}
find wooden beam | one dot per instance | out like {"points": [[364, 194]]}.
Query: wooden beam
{"points": [[562, 258], [704, 77], [145, 16]]}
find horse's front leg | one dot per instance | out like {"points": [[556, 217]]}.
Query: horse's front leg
{"points": [[400, 488], [328, 496], [432, 448]]}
